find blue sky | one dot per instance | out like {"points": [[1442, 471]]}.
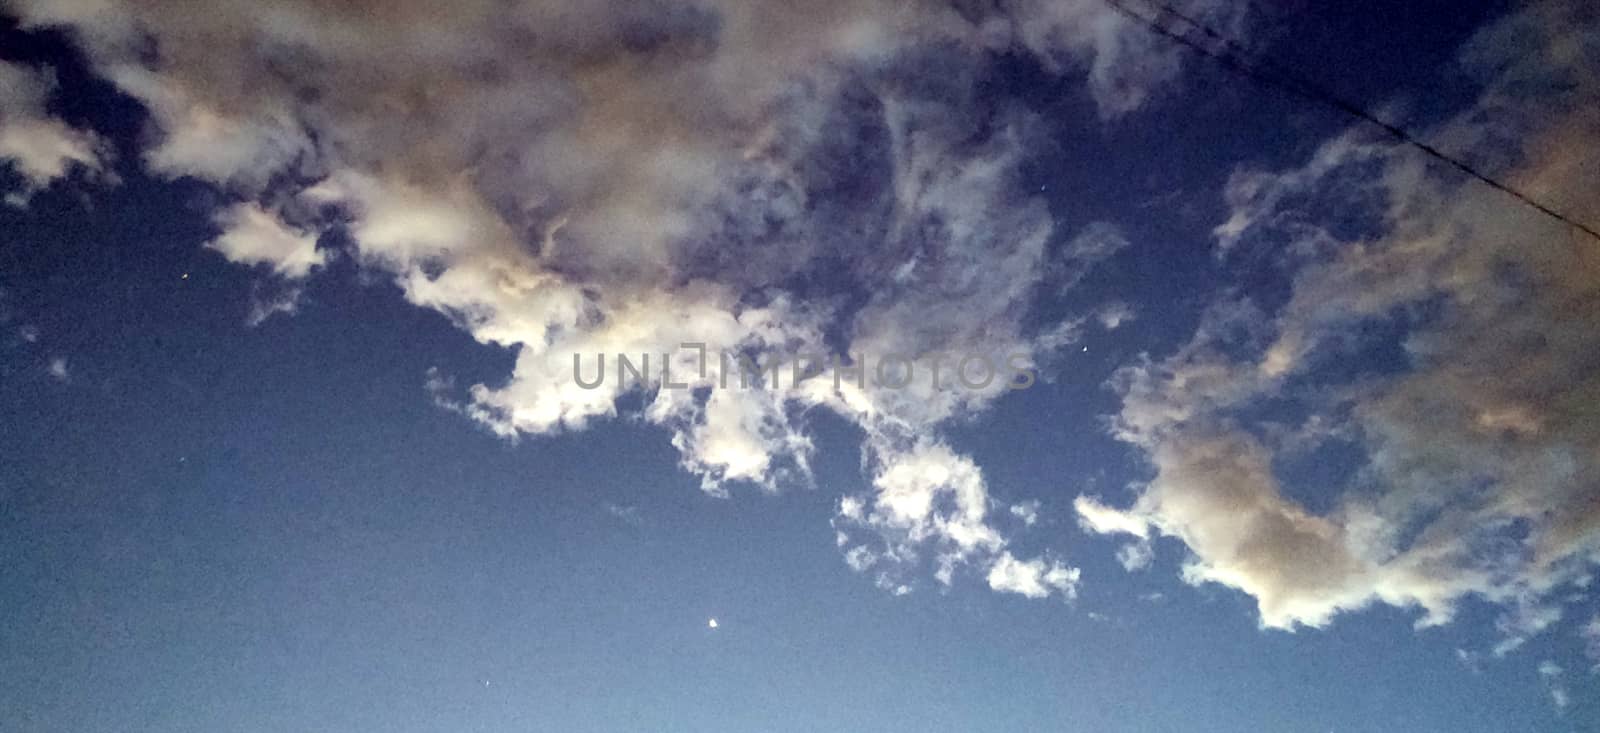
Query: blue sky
{"points": [[290, 439]]}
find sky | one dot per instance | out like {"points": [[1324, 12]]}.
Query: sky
{"points": [[1011, 366]]}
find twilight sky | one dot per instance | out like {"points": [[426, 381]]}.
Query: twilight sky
{"points": [[1290, 427]]}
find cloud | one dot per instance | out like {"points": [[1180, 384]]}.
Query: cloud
{"points": [[1098, 518], [1480, 449], [1136, 556], [1027, 511], [1215, 491], [628, 514], [1524, 620], [1114, 315], [1590, 633], [1037, 578], [926, 496], [270, 297], [1095, 243], [576, 182], [1552, 673], [39, 148], [57, 369], [253, 236]]}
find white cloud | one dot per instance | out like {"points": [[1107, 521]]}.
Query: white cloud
{"points": [[253, 236], [38, 147], [929, 498], [1098, 518], [1114, 315], [1037, 578], [1216, 492], [924, 496]]}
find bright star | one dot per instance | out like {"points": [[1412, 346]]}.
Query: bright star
{"points": [[711, 623]]}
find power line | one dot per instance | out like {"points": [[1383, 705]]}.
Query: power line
{"points": [[1265, 72]]}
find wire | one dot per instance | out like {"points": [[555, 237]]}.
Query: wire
{"points": [[1267, 73]]}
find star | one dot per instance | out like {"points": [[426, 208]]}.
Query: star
{"points": [[711, 623]]}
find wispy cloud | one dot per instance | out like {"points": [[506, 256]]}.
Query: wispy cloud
{"points": [[627, 514], [1553, 676]]}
